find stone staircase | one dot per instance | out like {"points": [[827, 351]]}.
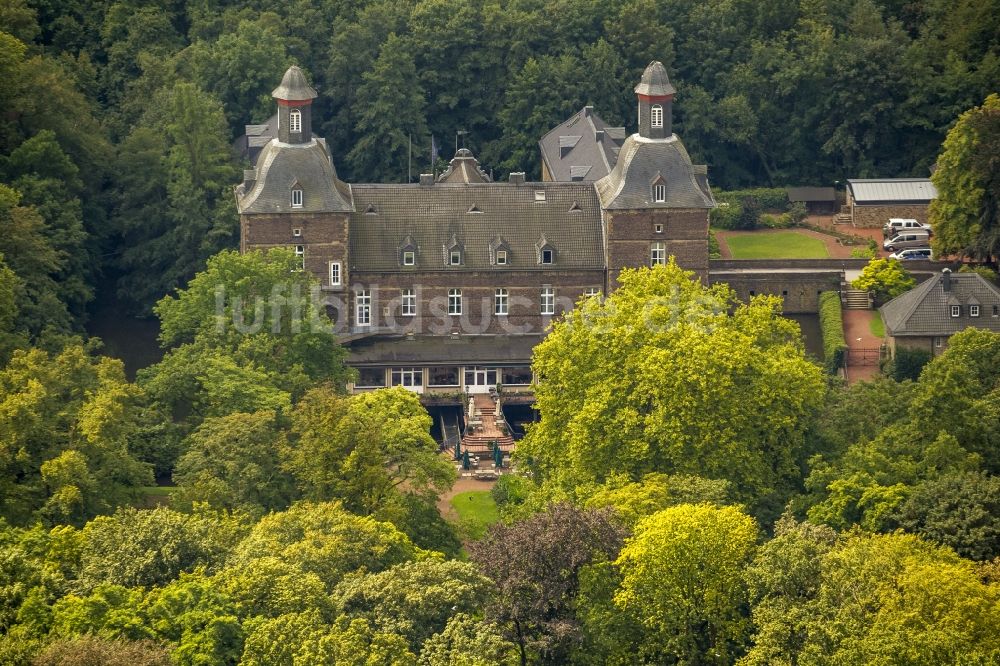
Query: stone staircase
{"points": [[478, 437], [856, 299], [844, 216]]}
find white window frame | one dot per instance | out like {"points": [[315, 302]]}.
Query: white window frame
{"points": [[656, 116], [363, 307], [300, 253], [296, 197], [408, 377], [659, 192], [657, 254], [409, 257], [295, 121], [658, 228], [501, 257], [455, 258], [548, 301], [335, 274], [956, 311], [297, 232], [408, 302], [501, 301], [551, 256], [939, 342], [973, 310], [454, 302], [590, 292]]}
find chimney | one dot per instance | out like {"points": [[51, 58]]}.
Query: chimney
{"points": [[517, 178], [426, 179], [599, 136], [249, 178], [946, 279], [588, 111]]}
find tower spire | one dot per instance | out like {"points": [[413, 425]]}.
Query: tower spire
{"points": [[294, 97], [656, 97]]}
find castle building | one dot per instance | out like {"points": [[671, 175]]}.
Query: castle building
{"points": [[447, 284]]}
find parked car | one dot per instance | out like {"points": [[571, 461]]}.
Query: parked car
{"points": [[916, 238], [897, 225], [913, 253]]}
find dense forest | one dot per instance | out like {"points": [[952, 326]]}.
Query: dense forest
{"points": [[696, 490]]}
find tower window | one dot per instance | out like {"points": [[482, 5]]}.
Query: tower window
{"points": [[300, 254], [363, 307], [548, 256], [659, 192], [297, 197], [408, 257], [658, 228], [456, 258], [500, 302], [295, 121], [657, 254], [454, 301], [335, 274], [656, 116], [409, 302], [502, 257], [548, 301]]}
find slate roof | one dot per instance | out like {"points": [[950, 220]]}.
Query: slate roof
{"points": [[811, 194], [432, 215], [642, 161], [892, 191], [280, 166], [925, 310], [584, 143], [443, 350], [294, 86], [464, 168], [654, 81]]}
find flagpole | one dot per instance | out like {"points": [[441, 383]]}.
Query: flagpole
{"points": [[409, 159]]}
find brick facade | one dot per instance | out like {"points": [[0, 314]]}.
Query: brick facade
{"points": [[632, 233]]}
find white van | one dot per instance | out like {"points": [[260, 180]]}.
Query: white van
{"points": [[897, 225], [908, 239]]}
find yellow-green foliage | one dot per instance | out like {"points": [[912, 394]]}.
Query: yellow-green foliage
{"points": [[886, 277], [831, 324]]}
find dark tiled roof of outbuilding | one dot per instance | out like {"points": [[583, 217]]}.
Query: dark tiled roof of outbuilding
{"points": [[811, 194], [925, 310], [443, 350], [282, 165], [432, 214], [583, 140], [642, 161]]}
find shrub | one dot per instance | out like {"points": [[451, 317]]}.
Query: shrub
{"points": [[769, 198], [832, 326], [985, 271], [749, 214], [886, 277], [907, 364], [782, 221], [868, 252], [798, 212], [726, 216], [714, 252]]}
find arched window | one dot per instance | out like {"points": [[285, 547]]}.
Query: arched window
{"points": [[295, 121], [296, 197], [659, 192], [656, 116]]}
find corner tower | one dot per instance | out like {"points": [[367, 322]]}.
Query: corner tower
{"points": [[294, 97], [655, 202], [656, 99]]}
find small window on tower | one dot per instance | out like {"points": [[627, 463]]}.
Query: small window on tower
{"points": [[297, 197], [656, 116], [300, 254], [296, 232], [502, 257], [408, 257], [295, 121], [548, 256], [456, 258], [659, 192], [658, 228]]}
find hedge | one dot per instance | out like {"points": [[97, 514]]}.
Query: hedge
{"points": [[831, 324], [770, 198]]}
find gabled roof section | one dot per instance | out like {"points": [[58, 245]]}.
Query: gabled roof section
{"points": [[925, 309], [584, 143], [870, 191], [436, 215], [464, 168], [280, 166], [640, 163]]}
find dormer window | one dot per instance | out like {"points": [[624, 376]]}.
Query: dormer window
{"points": [[409, 257], [546, 253], [956, 311], [295, 121], [455, 258], [659, 193], [453, 252], [296, 197], [548, 256], [656, 116], [973, 310], [501, 257]]}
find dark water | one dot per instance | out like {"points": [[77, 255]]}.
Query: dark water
{"points": [[125, 337], [811, 335]]}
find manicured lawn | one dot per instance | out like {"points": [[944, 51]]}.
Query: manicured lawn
{"points": [[782, 245], [476, 511], [876, 325]]}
